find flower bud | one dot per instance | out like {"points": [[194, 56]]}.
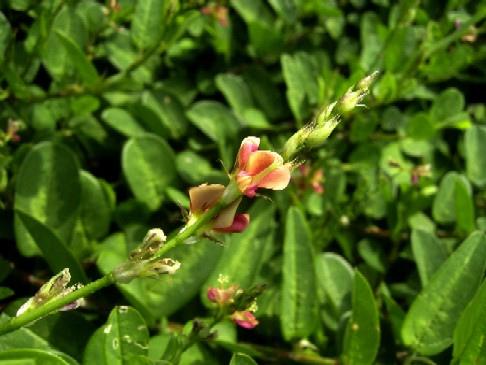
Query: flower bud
{"points": [[55, 288], [244, 319], [321, 132], [153, 240], [365, 83]]}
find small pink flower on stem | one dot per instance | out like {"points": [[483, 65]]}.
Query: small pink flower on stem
{"points": [[259, 169], [245, 319], [222, 296], [205, 196]]}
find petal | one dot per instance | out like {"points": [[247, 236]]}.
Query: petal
{"points": [[278, 179], [204, 196], [226, 217], [239, 224], [248, 145], [260, 160], [244, 319]]}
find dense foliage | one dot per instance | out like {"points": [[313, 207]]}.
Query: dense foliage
{"points": [[375, 253]]}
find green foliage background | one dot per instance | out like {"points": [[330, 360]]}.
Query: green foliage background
{"points": [[123, 105]]}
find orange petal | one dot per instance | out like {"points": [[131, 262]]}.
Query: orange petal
{"points": [[278, 179], [204, 196], [226, 217], [260, 160], [248, 145]]}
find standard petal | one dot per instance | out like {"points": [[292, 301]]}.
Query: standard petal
{"points": [[226, 217], [260, 160], [248, 145], [204, 196], [278, 179]]}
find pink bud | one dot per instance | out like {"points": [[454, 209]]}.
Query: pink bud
{"points": [[244, 319]]}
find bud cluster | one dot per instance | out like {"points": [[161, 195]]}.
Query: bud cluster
{"points": [[318, 130], [141, 262], [239, 304]]}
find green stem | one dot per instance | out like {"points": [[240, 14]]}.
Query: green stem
{"points": [[231, 194], [55, 304]]}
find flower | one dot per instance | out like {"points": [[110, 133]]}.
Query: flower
{"points": [[222, 296], [205, 196], [259, 169], [245, 319]]}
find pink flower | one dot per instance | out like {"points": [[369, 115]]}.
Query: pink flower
{"points": [[222, 296], [244, 319], [205, 196], [259, 169]]}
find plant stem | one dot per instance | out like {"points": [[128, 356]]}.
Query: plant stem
{"points": [[55, 304], [231, 194]]}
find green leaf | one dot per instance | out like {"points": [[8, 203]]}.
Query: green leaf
{"points": [[31, 357], [48, 190], [214, 119], [243, 255], [298, 315], [57, 255], [475, 154], [76, 56], [166, 294], [430, 322], [96, 206], [444, 206], [168, 111], [470, 332], [54, 54], [464, 206], [122, 340], [21, 338], [196, 170], [301, 73], [362, 337], [5, 34], [429, 253], [335, 279], [286, 9], [446, 106], [235, 91], [148, 165], [123, 122], [241, 359], [148, 22], [373, 35]]}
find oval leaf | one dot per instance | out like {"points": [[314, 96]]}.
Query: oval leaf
{"points": [[430, 322], [48, 190], [122, 339], [148, 165]]}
